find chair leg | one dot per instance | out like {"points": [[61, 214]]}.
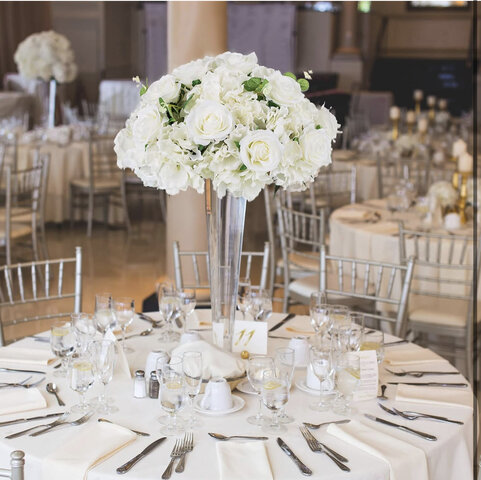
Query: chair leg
{"points": [[43, 236], [35, 243], [72, 209], [90, 215]]}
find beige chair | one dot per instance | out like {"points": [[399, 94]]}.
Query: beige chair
{"points": [[440, 312], [35, 291], [17, 464]]}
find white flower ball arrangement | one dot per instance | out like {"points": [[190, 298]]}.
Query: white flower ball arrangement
{"points": [[46, 55], [444, 193], [230, 120]]}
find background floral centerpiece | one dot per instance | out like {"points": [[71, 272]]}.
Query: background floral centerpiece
{"points": [[444, 193]]}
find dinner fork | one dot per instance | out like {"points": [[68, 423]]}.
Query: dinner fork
{"points": [[408, 415], [176, 453], [75, 423], [187, 446], [23, 432], [316, 446], [418, 374]]}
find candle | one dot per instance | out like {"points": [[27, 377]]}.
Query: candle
{"points": [[423, 125], [431, 101], [442, 104], [410, 116], [465, 163], [394, 113], [418, 95], [459, 147]]}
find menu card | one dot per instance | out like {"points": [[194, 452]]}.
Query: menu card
{"points": [[369, 371]]}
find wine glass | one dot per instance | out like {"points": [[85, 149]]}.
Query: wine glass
{"points": [[260, 305], [102, 353], [320, 314], [355, 337], [104, 318], [170, 308], [374, 341], [322, 364], [256, 367], [192, 368], [348, 378], [284, 361], [81, 378], [85, 330], [172, 391], [341, 338], [275, 395], [62, 343], [187, 304], [124, 311], [244, 295], [339, 315]]}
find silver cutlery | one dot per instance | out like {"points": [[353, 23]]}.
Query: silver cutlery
{"points": [[224, 438], [20, 370], [383, 396], [397, 342], [142, 434], [284, 320], [75, 423], [387, 410], [315, 426], [316, 446], [286, 449], [147, 318], [145, 333], [22, 420], [41, 339], [330, 450], [418, 373], [15, 384], [128, 465], [426, 436], [174, 455], [187, 446], [23, 432], [431, 384], [24, 385], [53, 389], [409, 415]]}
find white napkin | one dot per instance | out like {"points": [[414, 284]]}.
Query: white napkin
{"points": [[121, 364], [405, 461], [93, 444], [457, 397], [25, 356], [411, 356], [243, 461], [215, 362], [353, 214], [16, 400]]}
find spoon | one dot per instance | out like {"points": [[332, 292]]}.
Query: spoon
{"points": [[382, 396], [141, 334], [52, 388], [224, 438], [314, 426]]}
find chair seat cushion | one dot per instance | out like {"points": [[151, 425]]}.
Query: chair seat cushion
{"points": [[18, 214], [17, 230], [100, 184], [299, 262]]}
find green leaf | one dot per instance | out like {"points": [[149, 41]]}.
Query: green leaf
{"points": [[196, 82], [202, 148], [304, 84], [290, 74], [189, 98], [237, 144], [295, 139], [252, 84], [270, 103], [318, 127], [143, 89], [161, 101], [242, 168]]}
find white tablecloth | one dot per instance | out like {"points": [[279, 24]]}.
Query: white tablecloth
{"points": [[448, 458]]}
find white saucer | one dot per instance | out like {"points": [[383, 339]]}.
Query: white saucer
{"points": [[237, 404], [301, 385], [246, 387]]}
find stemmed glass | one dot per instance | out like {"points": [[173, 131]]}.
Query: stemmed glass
{"points": [[104, 317], [81, 378], [284, 361], [85, 330], [275, 396], [102, 353], [187, 305], [347, 380], [172, 391], [192, 369], [62, 343], [169, 307], [339, 315], [244, 295], [124, 311], [256, 367], [374, 341], [320, 314], [322, 364], [260, 305]]}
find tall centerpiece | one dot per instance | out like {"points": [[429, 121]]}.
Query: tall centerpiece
{"points": [[48, 56], [230, 127]]}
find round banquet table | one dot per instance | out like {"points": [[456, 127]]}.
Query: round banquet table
{"points": [[448, 458]]}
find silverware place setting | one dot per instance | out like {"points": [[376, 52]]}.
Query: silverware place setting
{"points": [[431, 384], [315, 426], [128, 465], [22, 384], [225, 438], [287, 450], [418, 373], [75, 423], [23, 420], [174, 455], [137, 432], [24, 432], [180, 451], [409, 415], [282, 322], [426, 436]]}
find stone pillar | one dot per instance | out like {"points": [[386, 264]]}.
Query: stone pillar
{"points": [[194, 29], [348, 30]]}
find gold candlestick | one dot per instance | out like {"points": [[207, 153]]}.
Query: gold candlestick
{"points": [[417, 107], [463, 193], [395, 128], [410, 126], [431, 115]]}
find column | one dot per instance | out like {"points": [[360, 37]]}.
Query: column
{"points": [[348, 30], [194, 29]]}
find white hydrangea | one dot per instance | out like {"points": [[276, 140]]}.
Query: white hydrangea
{"points": [[444, 193]]}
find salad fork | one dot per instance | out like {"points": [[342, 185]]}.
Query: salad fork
{"points": [[418, 374], [176, 453], [188, 446], [408, 415], [75, 423], [23, 432]]}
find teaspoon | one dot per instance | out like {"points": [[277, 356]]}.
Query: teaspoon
{"points": [[141, 334], [52, 388], [218, 436]]}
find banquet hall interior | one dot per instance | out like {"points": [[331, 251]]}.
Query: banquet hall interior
{"points": [[347, 193]]}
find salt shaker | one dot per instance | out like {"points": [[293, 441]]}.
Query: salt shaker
{"points": [[140, 390], [153, 385]]}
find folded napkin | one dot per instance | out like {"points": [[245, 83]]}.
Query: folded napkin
{"points": [[457, 397], [383, 228], [353, 214], [243, 461], [215, 362], [121, 363], [13, 355], [14, 400], [411, 356], [405, 461], [93, 444]]}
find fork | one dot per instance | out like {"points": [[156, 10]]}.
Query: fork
{"points": [[408, 415], [316, 446], [15, 384], [75, 423], [418, 374], [315, 426], [187, 446], [176, 453], [23, 432]]}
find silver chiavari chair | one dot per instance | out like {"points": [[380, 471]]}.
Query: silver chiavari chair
{"points": [[199, 263], [38, 286], [441, 300], [17, 464]]}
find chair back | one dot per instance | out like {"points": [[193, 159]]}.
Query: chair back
{"points": [[41, 282], [386, 285], [17, 464], [102, 160], [3, 149]]}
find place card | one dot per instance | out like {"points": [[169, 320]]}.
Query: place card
{"points": [[369, 371], [250, 336]]}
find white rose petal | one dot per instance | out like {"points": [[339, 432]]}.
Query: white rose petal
{"points": [[146, 126], [328, 121], [191, 71], [316, 147], [283, 90], [166, 88], [260, 151]]}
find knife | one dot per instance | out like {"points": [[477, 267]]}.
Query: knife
{"points": [[19, 370], [304, 470], [431, 384], [21, 420], [397, 342], [426, 436], [128, 465], [284, 320]]}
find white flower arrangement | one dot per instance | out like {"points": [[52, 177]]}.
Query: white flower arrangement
{"points": [[444, 193], [230, 120], [46, 55]]}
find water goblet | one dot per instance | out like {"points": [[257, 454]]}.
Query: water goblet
{"points": [[322, 364], [172, 393], [355, 337], [260, 305], [187, 305], [81, 378], [275, 395], [124, 311], [192, 369], [348, 378], [85, 330], [104, 318], [284, 361], [339, 315], [62, 343], [374, 341], [320, 317], [244, 295], [170, 308], [256, 367]]}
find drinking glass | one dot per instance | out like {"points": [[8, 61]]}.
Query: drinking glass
{"points": [[320, 314], [322, 364], [192, 369], [62, 343], [85, 330], [170, 308], [341, 338], [260, 305], [256, 367], [124, 311], [356, 318], [347, 381], [284, 361], [102, 353], [244, 295], [339, 315], [172, 392], [187, 305], [355, 337], [275, 395], [374, 341], [81, 378], [104, 317]]}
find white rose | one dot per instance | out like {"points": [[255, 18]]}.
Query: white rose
{"points": [[147, 124], [328, 121], [260, 151], [209, 121], [316, 146], [191, 71], [166, 88], [237, 61], [283, 90]]}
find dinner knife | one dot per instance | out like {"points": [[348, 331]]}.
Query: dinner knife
{"points": [[426, 436], [285, 448], [431, 384], [5, 369], [21, 420], [128, 465], [397, 342], [284, 320]]}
